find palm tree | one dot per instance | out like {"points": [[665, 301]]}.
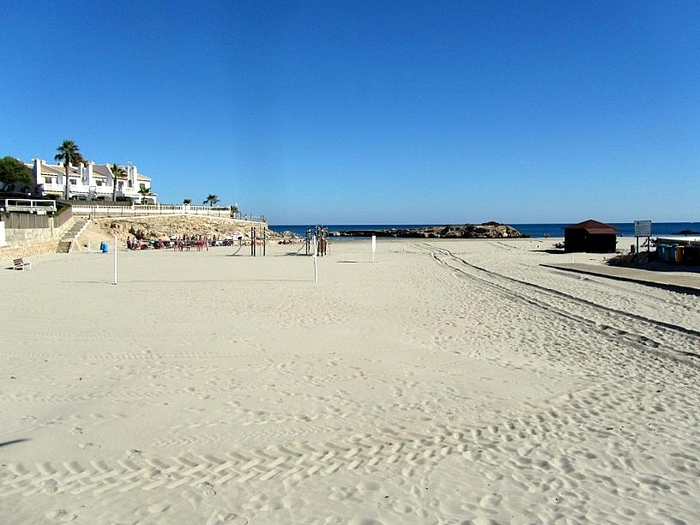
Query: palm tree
{"points": [[118, 172], [211, 199], [68, 153], [143, 190]]}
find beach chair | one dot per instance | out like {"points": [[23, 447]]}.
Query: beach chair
{"points": [[21, 264]]}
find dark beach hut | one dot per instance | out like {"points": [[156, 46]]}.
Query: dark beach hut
{"points": [[590, 236]]}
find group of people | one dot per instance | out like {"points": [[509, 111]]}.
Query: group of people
{"points": [[200, 242], [184, 243], [132, 243]]}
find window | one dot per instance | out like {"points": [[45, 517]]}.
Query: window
{"points": [[74, 182]]}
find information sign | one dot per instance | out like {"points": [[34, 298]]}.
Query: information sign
{"points": [[642, 228]]}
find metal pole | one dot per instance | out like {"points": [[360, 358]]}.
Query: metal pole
{"points": [[115, 260], [315, 257]]}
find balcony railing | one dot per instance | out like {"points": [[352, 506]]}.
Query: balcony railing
{"points": [[117, 210]]}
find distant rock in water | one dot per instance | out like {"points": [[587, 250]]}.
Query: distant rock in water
{"points": [[488, 230]]}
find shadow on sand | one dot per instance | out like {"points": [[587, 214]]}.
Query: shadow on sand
{"points": [[13, 442]]}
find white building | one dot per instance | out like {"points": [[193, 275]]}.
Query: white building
{"points": [[92, 182]]}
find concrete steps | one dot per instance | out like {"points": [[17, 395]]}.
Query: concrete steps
{"points": [[69, 241]]}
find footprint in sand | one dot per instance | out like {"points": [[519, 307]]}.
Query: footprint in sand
{"points": [[364, 521], [227, 518], [61, 515], [207, 489], [50, 486], [158, 508], [368, 486]]}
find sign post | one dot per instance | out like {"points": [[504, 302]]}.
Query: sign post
{"points": [[374, 246], [642, 229]]}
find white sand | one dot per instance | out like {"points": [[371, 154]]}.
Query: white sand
{"points": [[208, 388]]}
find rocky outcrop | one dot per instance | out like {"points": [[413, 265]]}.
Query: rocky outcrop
{"points": [[488, 230], [178, 225]]}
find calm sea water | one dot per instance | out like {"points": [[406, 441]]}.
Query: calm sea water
{"points": [[625, 229]]}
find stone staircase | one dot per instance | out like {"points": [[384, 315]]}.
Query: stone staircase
{"points": [[69, 241]]}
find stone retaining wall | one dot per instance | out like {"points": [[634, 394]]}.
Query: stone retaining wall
{"points": [[28, 235], [28, 242], [28, 250]]}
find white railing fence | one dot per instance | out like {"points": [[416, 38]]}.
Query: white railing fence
{"points": [[159, 209], [41, 206]]}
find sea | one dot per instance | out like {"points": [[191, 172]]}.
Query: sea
{"points": [[624, 229]]}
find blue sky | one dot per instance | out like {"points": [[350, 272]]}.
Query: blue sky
{"points": [[365, 112]]}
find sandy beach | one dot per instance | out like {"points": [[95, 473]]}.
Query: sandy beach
{"points": [[445, 382]]}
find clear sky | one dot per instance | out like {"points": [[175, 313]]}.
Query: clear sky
{"points": [[362, 112]]}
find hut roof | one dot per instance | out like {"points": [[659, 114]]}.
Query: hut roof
{"points": [[593, 227]]}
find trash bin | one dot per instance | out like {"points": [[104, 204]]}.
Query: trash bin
{"points": [[691, 254], [660, 251], [669, 253], [679, 254], [104, 247]]}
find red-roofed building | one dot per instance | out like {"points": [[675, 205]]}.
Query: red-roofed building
{"points": [[590, 236]]}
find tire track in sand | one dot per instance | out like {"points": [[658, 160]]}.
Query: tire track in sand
{"points": [[557, 441], [645, 333]]}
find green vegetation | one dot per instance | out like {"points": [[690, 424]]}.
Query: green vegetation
{"points": [[119, 174], [13, 171], [69, 154], [211, 199]]}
